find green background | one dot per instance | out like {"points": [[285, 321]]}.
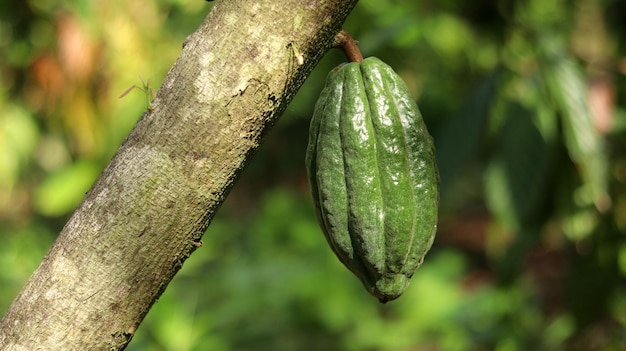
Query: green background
{"points": [[525, 100]]}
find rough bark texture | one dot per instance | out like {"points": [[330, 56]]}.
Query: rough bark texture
{"points": [[148, 210]]}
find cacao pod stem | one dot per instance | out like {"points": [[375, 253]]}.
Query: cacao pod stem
{"points": [[345, 42]]}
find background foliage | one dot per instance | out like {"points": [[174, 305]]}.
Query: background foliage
{"points": [[525, 100]]}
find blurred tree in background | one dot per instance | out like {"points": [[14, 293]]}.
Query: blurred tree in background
{"points": [[525, 100]]}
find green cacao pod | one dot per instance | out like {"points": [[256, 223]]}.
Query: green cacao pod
{"points": [[371, 167]]}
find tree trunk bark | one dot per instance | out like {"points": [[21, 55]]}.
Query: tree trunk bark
{"points": [[148, 210]]}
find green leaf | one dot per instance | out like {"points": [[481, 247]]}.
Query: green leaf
{"points": [[516, 177], [18, 140], [62, 191], [586, 147], [462, 133]]}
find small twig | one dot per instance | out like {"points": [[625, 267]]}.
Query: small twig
{"points": [[345, 42], [146, 89]]}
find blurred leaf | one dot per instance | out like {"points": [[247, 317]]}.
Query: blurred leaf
{"points": [[619, 305], [20, 253], [579, 222], [448, 34], [461, 134], [62, 191], [18, 139], [516, 177], [543, 14], [567, 87], [558, 331]]}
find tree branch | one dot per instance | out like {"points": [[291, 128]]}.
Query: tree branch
{"points": [[147, 211]]}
